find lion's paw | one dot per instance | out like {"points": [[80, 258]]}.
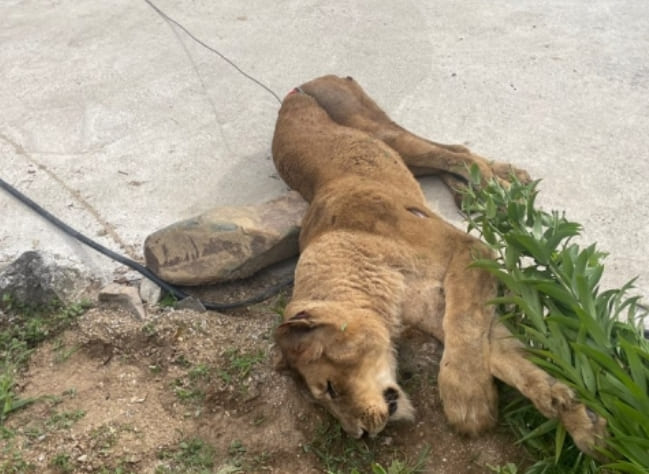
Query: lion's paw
{"points": [[586, 427], [551, 397], [556, 400], [470, 402], [504, 171]]}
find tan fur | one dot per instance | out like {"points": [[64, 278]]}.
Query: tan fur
{"points": [[374, 258]]}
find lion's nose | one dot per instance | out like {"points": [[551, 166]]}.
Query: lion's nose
{"points": [[390, 395]]}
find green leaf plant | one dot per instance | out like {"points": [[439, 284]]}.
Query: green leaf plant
{"points": [[592, 340]]}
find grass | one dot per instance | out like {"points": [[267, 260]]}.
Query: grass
{"points": [[64, 420], [62, 352], [9, 400], [199, 372], [279, 306], [187, 392], [191, 388], [239, 365], [592, 340], [400, 467], [61, 463], [168, 301], [192, 455], [20, 333], [70, 392], [149, 329], [339, 453], [241, 460], [13, 462], [508, 468]]}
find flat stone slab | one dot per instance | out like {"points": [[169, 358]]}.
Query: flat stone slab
{"points": [[126, 297], [226, 243]]}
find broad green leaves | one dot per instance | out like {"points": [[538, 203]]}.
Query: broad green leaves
{"points": [[550, 299]]}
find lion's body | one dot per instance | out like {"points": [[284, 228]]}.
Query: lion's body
{"points": [[374, 259]]}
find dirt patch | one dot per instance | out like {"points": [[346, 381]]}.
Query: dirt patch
{"points": [[197, 392]]}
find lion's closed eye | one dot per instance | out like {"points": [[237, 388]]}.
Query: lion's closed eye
{"points": [[330, 390]]}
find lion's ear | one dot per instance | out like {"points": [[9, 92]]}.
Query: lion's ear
{"points": [[298, 339]]}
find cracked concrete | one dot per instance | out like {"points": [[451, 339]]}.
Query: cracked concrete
{"points": [[120, 125]]}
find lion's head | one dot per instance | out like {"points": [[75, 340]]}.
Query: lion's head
{"points": [[348, 362]]}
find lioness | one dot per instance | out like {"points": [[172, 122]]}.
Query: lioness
{"points": [[374, 259]]}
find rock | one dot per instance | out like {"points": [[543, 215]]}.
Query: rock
{"points": [[36, 279], [126, 297], [149, 291], [191, 303], [226, 243]]}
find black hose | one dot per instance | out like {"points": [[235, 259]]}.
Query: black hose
{"points": [[169, 288]]}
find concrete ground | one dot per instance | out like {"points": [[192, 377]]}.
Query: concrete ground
{"points": [[119, 124]]}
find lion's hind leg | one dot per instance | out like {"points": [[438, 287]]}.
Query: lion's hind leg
{"points": [[505, 171], [348, 104], [551, 397]]}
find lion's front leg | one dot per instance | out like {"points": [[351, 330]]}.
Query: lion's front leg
{"points": [[551, 397], [467, 389], [466, 386]]}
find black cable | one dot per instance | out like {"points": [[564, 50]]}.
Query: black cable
{"points": [[229, 61], [171, 289]]}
